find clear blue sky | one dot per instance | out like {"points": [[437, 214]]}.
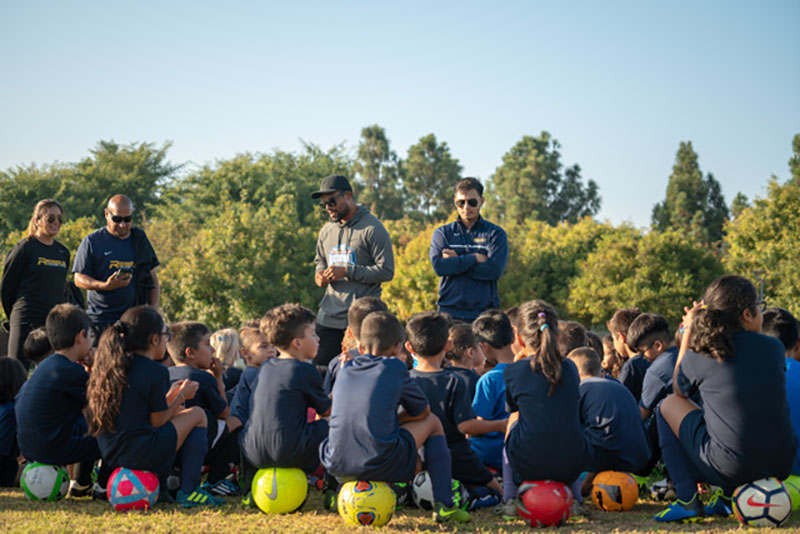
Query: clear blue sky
{"points": [[619, 84]]}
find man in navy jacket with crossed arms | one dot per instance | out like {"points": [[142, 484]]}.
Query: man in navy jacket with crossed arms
{"points": [[470, 255]]}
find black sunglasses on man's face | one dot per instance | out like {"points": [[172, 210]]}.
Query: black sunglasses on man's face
{"points": [[331, 202], [119, 218], [473, 202]]}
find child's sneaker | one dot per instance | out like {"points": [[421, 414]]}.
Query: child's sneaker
{"points": [[442, 514], [76, 490], [682, 511], [248, 501], [223, 488], [99, 493], [482, 497], [198, 497], [329, 500], [506, 510], [719, 505]]}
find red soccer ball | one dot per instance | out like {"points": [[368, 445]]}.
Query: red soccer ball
{"points": [[129, 489], [544, 503]]}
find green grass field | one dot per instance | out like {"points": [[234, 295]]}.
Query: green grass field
{"points": [[19, 515]]}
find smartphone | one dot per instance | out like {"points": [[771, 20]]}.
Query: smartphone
{"points": [[125, 270]]}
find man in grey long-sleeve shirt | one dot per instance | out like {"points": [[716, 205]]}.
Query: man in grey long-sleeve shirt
{"points": [[354, 256]]}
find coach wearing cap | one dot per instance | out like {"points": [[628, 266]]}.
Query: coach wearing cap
{"points": [[354, 256]]}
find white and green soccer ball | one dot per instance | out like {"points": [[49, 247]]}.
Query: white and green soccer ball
{"points": [[43, 482]]}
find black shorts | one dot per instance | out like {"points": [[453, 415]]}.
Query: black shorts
{"points": [[467, 467]]}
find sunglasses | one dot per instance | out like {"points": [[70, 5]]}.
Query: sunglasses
{"points": [[331, 202], [473, 202], [119, 218], [53, 218], [167, 334]]}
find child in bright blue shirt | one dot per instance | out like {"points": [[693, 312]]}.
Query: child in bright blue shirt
{"points": [[255, 350], [781, 324], [495, 335]]}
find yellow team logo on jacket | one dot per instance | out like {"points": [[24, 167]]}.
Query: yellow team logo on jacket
{"points": [[49, 262]]}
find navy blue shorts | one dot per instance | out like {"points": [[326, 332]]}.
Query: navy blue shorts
{"points": [[154, 451], [305, 455], [694, 440], [401, 468]]}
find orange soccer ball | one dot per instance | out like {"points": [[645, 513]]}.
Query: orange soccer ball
{"points": [[614, 491]]}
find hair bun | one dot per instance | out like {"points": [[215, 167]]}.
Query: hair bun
{"points": [[122, 328]]}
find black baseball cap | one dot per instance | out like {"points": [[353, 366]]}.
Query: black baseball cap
{"points": [[332, 184]]}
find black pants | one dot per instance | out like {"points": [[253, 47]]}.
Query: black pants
{"points": [[224, 453], [330, 345], [18, 331]]}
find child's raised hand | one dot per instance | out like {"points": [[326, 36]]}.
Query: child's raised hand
{"points": [[215, 367], [688, 314], [188, 388]]}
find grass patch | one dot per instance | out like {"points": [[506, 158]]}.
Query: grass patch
{"points": [[20, 515]]}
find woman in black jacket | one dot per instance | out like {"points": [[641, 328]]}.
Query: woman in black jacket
{"points": [[34, 275]]}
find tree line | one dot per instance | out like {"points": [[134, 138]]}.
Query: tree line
{"points": [[237, 236]]}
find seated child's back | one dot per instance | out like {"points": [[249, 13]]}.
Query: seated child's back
{"points": [[50, 422], [612, 423]]}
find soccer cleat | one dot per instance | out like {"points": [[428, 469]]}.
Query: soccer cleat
{"points": [[329, 500], [682, 511], [198, 497], [248, 501], [76, 490], [507, 510], [482, 497], [719, 505], [222, 488], [442, 514]]}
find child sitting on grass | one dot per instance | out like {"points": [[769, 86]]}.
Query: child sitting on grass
{"points": [[739, 374], [465, 356], [449, 400], [255, 350], [358, 310], [37, 347], [369, 438], [495, 335], [139, 419], [277, 433], [611, 421], [631, 374], [12, 376], [545, 438], [194, 358], [49, 408]]}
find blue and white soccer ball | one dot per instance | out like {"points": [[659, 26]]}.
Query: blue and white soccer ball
{"points": [[763, 503]]}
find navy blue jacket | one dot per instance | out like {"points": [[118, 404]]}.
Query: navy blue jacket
{"points": [[467, 287]]}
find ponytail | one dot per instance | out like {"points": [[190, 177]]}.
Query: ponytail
{"points": [[714, 325], [538, 328], [108, 378]]}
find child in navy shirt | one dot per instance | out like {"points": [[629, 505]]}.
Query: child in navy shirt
{"points": [[495, 335], [781, 324], [255, 350], [448, 399], [139, 420], [635, 366], [369, 438], [49, 407], [611, 420], [278, 434], [194, 358], [37, 347], [465, 356], [12, 376], [724, 442], [545, 438], [571, 336]]}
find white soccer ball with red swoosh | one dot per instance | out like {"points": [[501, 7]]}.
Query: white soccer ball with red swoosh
{"points": [[763, 503]]}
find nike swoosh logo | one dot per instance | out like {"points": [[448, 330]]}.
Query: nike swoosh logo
{"points": [[272, 495], [107, 253], [751, 502]]}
